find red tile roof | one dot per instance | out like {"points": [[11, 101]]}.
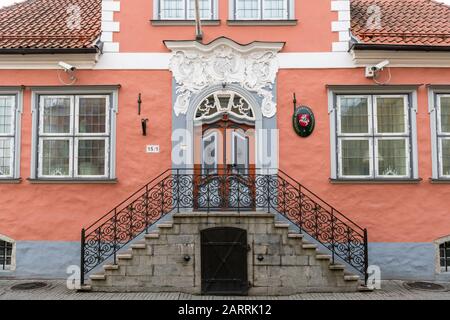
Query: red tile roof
{"points": [[48, 24], [402, 22]]}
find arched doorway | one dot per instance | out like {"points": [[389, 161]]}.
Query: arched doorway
{"points": [[224, 151], [224, 261]]}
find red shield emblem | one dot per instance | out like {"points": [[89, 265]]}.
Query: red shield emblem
{"points": [[304, 119]]}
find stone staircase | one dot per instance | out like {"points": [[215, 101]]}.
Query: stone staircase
{"points": [[280, 260]]}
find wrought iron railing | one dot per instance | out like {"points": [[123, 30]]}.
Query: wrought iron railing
{"points": [[177, 190]]}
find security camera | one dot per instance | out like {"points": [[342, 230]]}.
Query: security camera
{"points": [[372, 70], [67, 67]]}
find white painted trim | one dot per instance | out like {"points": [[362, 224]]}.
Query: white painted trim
{"points": [[109, 26], [341, 25], [402, 58], [47, 61]]}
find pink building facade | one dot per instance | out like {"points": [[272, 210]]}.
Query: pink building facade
{"points": [[72, 144]]}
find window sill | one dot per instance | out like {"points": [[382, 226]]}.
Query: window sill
{"points": [[376, 181], [262, 22], [440, 181], [10, 181], [183, 22], [79, 181]]}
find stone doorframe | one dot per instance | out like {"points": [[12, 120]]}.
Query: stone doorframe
{"points": [[202, 69]]}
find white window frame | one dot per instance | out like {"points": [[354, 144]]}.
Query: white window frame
{"points": [[288, 15], [158, 6], [41, 149], [434, 109], [371, 155], [12, 266], [441, 135], [408, 157], [373, 135], [41, 116], [77, 116], [73, 137], [75, 165], [16, 97]]}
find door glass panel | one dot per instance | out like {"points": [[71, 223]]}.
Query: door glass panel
{"points": [[209, 154], [240, 151]]}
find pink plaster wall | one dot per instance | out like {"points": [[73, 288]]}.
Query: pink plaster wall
{"points": [[311, 34], [392, 213]]}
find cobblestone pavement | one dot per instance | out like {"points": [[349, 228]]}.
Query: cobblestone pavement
{"points": [[57, 290]]}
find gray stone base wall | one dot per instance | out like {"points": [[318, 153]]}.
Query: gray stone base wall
{"points": [[284, 266]]}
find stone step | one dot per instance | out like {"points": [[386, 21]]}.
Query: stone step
{"points": [[111, 267], [295, 235], [166, 225], [323, 257], [336, 267], [138, 245], [309, 246], [281, 225], [98, 276], [152, 236], [125, 256], [352, 277]]}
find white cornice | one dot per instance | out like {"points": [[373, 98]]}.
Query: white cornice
{"points": [[47, 61], [402, 58], [186, 45]]}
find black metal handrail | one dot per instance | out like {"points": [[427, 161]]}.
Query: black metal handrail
{"points": [[228, 189]]}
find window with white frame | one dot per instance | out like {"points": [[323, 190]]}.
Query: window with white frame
{"points": [[74, 135], [444, 256], [7, 136], [185, 9], [443, 134], [373, 137], [262, 9], [6, 255]]}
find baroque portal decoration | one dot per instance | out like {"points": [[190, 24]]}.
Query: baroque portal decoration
{"points": [[197, 66]]}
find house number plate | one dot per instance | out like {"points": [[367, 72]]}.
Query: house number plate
{"points": [[152, 148]]}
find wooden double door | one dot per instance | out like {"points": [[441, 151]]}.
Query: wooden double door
{"points": [[225, 176]]}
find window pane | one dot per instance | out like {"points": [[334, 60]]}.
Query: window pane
{"points": [[56, 115], [210, 152], [446, 157], [247, 9], [91, 157], [391, 116], [5, 157], [6, 115], [172, 9], [445, 114], [55, 157], [354, 116], [205, 9], [355, 157], [392, 157], [92, 115], [275, 9]]}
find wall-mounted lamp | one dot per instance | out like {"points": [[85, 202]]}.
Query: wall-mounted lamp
{"points": [[260, 257], [144, 126], [187, 258], [139, 104]]}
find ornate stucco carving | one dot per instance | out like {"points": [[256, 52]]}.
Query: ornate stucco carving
{"points": [[196, 66]]}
